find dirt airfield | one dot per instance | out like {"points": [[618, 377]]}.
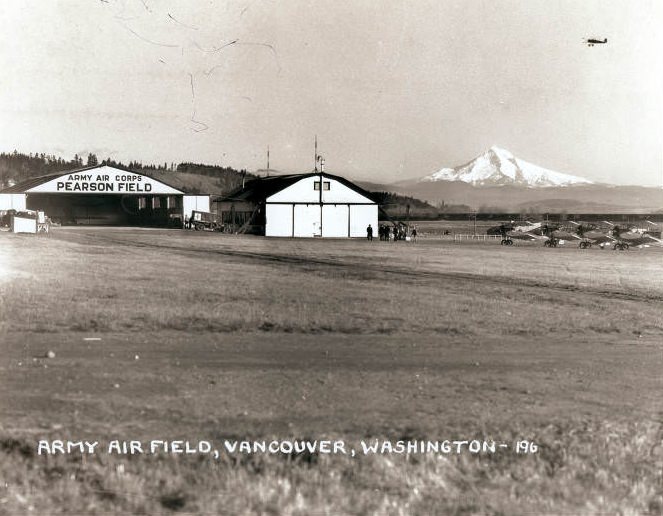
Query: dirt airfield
{"points": [[164, 334]]}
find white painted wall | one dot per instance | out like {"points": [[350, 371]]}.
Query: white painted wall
{"points": [[195, 203], [303, 191], [361, 217], [24, 225], [12, 202], [278, 220], [335, 211], [307, 220], [107, 180], [335, 220]]}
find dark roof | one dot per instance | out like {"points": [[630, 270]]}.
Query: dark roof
{"points": [[257, 190], [31, 183], [23, 186]]}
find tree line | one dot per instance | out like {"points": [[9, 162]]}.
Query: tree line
{"points": [[16, 167], [400, 206]]}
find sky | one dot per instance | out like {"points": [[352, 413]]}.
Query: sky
{"points": [[393, 89]]}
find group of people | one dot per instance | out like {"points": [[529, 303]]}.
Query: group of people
{"points": [[387, 233]]}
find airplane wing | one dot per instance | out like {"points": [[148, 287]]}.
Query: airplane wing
{"points": [[524, 235], [637, 239], [528, 226], [518, 235], [598, 237], [565, 235]]}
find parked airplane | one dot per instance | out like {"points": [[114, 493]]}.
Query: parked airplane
{"points": [[626, 237], [587, 234], [510, 231], [590, 234], [556, 235], [619, 237], [550, 234]]}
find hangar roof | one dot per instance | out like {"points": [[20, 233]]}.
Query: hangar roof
{"points": [[257, 190], [31, 183], [35, 182]]}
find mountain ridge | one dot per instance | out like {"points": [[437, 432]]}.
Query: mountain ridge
{"points": [[498, 166]]}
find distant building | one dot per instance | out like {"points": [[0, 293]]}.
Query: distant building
{"points": [[299, 205], [104, 195]]}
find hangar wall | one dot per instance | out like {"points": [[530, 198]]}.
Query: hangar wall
{"points": [[307, 220], [306, 191], [335, 218], [109, 209], [338, 220], [296, 211], [278, 220], [195, 203], [12, 202], [360, 217], [100, 195]]}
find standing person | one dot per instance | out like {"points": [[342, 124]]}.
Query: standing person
{"points": [[369, 233], [414, 233]]}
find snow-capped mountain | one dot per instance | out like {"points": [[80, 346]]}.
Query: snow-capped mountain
{"points": [[500, 167]]}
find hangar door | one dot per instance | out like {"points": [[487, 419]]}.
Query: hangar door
{"points": [[278, 220], [109, 210], [335, 220], [306, 220], [360, 217]]}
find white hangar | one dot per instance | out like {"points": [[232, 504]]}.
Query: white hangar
{"points": [[300, 205], [103, 195]]}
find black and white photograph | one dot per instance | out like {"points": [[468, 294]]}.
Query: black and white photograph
{"points": [[349, 257]]}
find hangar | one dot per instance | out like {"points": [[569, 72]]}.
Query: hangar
{"points": [[103, 195], [299, 205]]}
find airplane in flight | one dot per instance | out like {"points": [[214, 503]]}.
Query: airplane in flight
{"points": [[593, 41]]}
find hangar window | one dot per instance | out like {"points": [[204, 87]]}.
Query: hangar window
{"points": [[142, 203], [156, 203], [325, 185]]}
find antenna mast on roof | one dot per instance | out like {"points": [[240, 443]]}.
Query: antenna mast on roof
{"points": [[315, 157], [321, 160], [268, 161]]}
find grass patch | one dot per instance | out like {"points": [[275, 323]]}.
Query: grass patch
{"points": [[206, 334], [611, 467]]}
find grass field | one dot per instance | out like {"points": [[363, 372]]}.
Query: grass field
{"points": [[202, 336]]}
